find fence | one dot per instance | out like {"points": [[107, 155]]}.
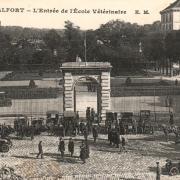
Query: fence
{"points": [[37, 101]]}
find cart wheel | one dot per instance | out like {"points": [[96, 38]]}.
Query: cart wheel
{"points": [[4, 148], [173, 171]]}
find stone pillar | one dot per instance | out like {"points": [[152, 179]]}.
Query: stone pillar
{"points": [[105, 94], [68, 93]]}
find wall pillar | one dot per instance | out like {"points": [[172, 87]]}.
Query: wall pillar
{"points": [[68, 93], [105, 95]]}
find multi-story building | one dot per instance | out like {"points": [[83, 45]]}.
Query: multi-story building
{"points": [[170, 17]]}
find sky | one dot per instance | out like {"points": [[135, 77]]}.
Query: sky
{"points": [[32, 17]]}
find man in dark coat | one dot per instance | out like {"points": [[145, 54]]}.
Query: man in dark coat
{"points": [[40, 149], [92, 115], [71, 146], [81, 127], [85, 132], [83, 152], [123, 141], [88, 114], [95, 133], [171, 120], [116, 138], [110, 136], [61, 147]]}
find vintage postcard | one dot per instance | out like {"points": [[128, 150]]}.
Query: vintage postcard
{"points": [[89, 89]]}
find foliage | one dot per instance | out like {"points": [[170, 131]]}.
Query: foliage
{"points": [[73, 41], [115, 41], [172, 45]]}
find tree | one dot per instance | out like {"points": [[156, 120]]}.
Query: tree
{"points": [[172, 47], [154, 48], [52, 40], [5, 48], [74, 41], [120, 39]]}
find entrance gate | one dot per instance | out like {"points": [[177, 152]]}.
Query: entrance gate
{"points": [[99, 72]]}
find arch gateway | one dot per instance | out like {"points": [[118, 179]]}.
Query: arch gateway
{"points": [[98, 72]]}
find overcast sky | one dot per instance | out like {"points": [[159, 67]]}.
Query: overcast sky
{"points": [[85, 21]]}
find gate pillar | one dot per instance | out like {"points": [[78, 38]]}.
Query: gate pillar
{"points": [[68, 92], [105, 94]]}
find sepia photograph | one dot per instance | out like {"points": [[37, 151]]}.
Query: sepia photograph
{"points": [[89, 90]]}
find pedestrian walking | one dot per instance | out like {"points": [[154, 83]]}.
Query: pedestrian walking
{"points": [[40, 149], [83, 152], [71, 146], [61, 147], [123, 142]]}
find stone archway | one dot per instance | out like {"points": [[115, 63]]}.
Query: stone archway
{"points": [[99, 71]]}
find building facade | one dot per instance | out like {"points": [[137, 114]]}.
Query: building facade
{"points": [[170, 17]]}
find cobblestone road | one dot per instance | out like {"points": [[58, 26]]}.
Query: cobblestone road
{"points": [[105, 162]]}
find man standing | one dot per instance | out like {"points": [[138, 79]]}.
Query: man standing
{"points": [[123, 141], [61, 147], [95, 133], [171, 120], [92, 115], [71, 146], [85, 132], [83, 152], [117, 138], [88, 114], [40, 150]]}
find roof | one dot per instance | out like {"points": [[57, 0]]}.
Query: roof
{"points": [[94, 65], [176, 4]]}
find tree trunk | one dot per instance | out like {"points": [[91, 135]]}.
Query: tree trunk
{"points": [[166, 67], [170, 67], [163, 69]]}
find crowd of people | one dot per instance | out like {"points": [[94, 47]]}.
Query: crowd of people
{"points": [[84, 149], [86, 129]]}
